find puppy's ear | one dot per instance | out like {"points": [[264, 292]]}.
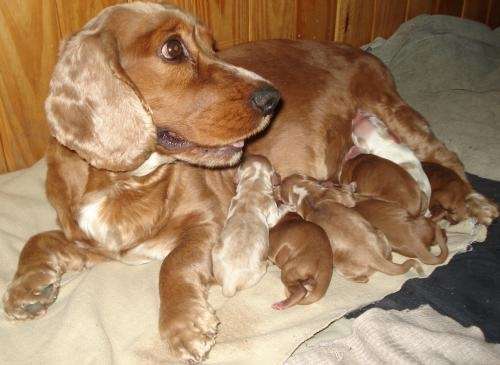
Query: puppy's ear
{"points": [[94, 108], [275, 179]]}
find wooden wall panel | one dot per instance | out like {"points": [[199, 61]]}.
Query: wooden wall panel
{"points": [[227, 19], [417, 7], [29, 37], [388, 16], [73, 15], [354, 22], [493, 18], [272, 19], [476, 10], [30, 31], [316, 19], [3, 119], [449, 7]]}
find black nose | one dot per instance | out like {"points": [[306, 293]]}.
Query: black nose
{"points": [[265, 99]]}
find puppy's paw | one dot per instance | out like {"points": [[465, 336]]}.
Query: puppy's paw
{"points": [[29, 295], [479, 207], [190, 332]]}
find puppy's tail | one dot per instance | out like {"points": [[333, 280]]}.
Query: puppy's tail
{"points": [[391, 268], [423, 254], [320, 285], [296, 295], [307, 291]]}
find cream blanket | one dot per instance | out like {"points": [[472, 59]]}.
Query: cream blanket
{"points": [[420, 336], [108, 315]]}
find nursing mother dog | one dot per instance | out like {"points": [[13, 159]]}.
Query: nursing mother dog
{"points": [[143, 115]]}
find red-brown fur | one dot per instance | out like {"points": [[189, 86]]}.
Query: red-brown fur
{"points": [[302, 251], [448, 191], [378, 177], [407, 235], [107, 102]]}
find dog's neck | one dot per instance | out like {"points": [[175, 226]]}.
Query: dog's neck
{"points": [[154, 161]]}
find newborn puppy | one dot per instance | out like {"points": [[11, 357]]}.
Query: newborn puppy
{"points": [[410, 236], [302, 251], [370, 135], [448, 190], [358, 248], [377, 177], [240, 258]]}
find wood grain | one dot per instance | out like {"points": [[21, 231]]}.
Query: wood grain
{"points": [[388, 16], [272, 19], [29, 37], [30, 31], [417, 7], [449, 7], [316, 19], [354, 21], [493, 19], [3, 119], [72, 15], [475, 10]]}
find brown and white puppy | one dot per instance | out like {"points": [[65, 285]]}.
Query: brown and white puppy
{"points": [[378, 177], [407, 235], [240, 257], [370, 135], [358, 249], [447, 195], [302, 251]]}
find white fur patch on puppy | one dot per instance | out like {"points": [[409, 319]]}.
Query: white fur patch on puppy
{"points": [[371, 136]]}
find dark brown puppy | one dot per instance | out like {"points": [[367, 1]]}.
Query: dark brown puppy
{"points": [[447, 195], [302, 251], [378, 177], [407, 235]]}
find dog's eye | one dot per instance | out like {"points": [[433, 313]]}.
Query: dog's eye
{"points": [[172, 50]]}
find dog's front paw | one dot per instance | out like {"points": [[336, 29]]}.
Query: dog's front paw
{"points": [[479, 207], [29, 295], [190, 332]]}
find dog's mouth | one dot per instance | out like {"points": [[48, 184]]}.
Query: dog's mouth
{"points": [[172, 142]]}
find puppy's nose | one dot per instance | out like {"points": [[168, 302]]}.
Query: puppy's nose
{"points": [[265, 99]]}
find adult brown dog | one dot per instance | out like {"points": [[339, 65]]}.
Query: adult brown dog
{"points": [[139, 103]]}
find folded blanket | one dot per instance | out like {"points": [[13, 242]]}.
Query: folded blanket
{"points": [[420, 336]]}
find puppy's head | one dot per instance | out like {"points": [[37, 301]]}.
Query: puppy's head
{"points": [[255, 166], [142, 77]]}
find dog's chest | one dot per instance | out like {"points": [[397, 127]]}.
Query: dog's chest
{"points": [[121, 216]]}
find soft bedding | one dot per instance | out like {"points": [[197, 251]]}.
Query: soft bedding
{"points": [[108, 315]]}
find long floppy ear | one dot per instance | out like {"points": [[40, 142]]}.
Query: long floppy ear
{"points": [[94, 108]]}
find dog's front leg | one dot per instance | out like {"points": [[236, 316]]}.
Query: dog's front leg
{"points": [[187, 322], [44, 259]]}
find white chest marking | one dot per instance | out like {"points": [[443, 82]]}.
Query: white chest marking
{"points": [[91, 222]]}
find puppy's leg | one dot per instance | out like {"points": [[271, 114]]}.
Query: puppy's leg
{"points": [[187, 322], [43, 260], [413, 130]]}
